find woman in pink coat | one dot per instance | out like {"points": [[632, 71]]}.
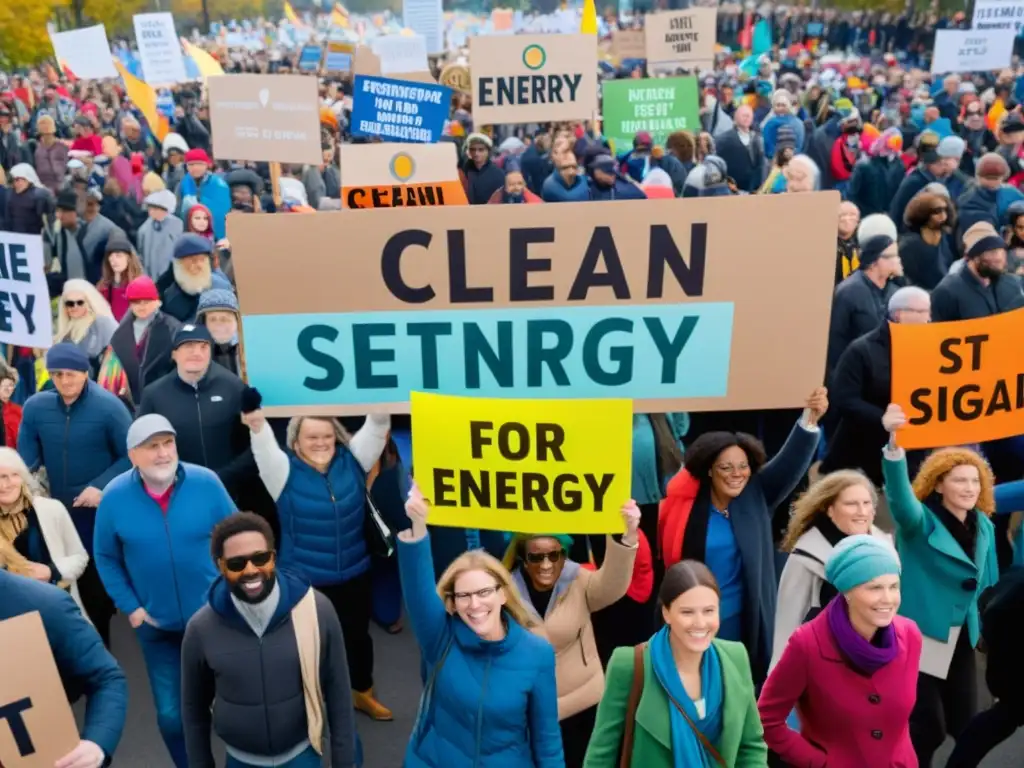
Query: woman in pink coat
{"points": [[851, 672]]}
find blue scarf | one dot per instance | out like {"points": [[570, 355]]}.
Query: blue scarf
{"points": [[687, 751]]}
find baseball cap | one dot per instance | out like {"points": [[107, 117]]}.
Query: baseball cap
{"points": [[145, 427]]}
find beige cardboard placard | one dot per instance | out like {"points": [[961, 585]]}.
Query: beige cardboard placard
{"points": [[478, 300], [365, 62], [392, 175], [33, 696], [629, 44], [265, 117], [681, 39], [533, 78]]}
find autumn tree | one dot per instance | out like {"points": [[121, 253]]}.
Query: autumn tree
{"points": [[24, 41]]}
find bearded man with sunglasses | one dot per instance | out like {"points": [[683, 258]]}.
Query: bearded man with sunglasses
{"points": [[151, 544], [260, 660]]}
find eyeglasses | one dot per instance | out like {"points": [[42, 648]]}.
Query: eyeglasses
{"points": [[69, 303], [237, 564], [463, 598], [536, 558]]}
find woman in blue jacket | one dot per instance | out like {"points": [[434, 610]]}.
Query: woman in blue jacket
{"points": [[490, 700], [948, 548], [319, 486]]}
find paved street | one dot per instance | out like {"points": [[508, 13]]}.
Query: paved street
{"points": [[398, 685]]}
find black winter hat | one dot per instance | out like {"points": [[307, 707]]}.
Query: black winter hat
{"points": [[118, 243], [67, 200]]}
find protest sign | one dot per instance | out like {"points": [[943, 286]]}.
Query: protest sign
{"points": [[528, 466], [658, 106], [997, 15], [456, 77], [37, 727], [399, 111], [961, 382], [681, 39], [86, 52], [387, 176], [425, 18], [533, 78], [964, 50], [400, 54], [629, 44], [265, 117], [502, 20], [649, 300], [339, 57], [159, 49], [25, 316]]}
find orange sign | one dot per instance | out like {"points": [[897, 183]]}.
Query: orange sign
{"points": [[400, 175], [959, 383]]}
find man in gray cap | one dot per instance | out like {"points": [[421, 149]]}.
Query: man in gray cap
{"points": [[152, 549]]}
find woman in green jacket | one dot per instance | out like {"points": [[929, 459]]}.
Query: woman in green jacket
{"points": [[697, 708]]}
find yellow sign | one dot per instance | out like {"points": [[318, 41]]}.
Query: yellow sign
{"points": [[526, 466]]}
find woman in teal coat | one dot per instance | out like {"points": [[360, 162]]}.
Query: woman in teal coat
{"points": [[948, 548], [697, 706]]}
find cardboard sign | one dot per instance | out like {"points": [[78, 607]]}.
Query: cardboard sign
{"points": [[997, 15], [339, 57], [529, 466], [25, 316], [629, 44], [533, 78], [456, 77], [159, 49], [650, 300], [965, 50], [959, 383], [37, 727], [399, 54], [425, 18], [681, 39], [388, 176], [265, 117], [86, 52], [399, 111], [658, 106]]}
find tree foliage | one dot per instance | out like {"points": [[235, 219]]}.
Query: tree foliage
{"points": [[24, 41]]}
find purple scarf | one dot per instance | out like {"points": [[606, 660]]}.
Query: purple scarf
{"points": [[865, 657]]}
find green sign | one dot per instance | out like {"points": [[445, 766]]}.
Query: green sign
{"points": [[660, 106]]}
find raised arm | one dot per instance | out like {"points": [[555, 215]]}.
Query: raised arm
{"points": [[781, 475], [271, 460], [609, 583], [368, 443], [907, 511]]}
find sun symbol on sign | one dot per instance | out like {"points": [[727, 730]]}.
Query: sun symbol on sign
{"points": [[534, 57], [403, 167]]}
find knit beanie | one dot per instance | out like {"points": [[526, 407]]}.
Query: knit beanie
{"points": [[216, 300], [992, 166], [118, 242], [871, 250], [715, 170], [479, 138], [66, 357], [981, 237], [951, 147], [858, 559], [874, 225]]}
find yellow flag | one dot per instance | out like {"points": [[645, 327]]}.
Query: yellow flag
{"points": [[339, 16], [143, 96], [293, 18], [205, 63], [588, 24]]}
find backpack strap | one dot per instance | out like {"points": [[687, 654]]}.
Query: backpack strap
{"points": [[635, 692]]}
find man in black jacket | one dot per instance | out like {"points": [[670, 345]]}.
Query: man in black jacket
{"points": [[242, 657], [203, 402], [743, 151], [862, 389], [981, 287]]}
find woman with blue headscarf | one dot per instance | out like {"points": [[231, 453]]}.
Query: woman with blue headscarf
{"points": [[696, 706]]}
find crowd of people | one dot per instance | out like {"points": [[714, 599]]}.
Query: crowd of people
{"points": [[792, 588]]}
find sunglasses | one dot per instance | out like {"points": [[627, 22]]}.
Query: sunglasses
{"points": [[74, 303], [536, 558], [237, 564], [937, 211]]}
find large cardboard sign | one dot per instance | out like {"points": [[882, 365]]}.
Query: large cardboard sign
{"points": [[37, 727], [662, 303], [159, 49], [959, 383], [659, 106], [265, 117], [529, 466], [25, 316], [400, 176], [966, 50], [396, 110], [629, 44], [533, 78], [681, 39], [85, 51]]}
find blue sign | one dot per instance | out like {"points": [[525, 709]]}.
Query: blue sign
{"points": [[339, 57], [650, 351], [309, 58], [397, 110]]}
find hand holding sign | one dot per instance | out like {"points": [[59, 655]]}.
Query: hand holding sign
{"points": [[816, 405], [893, 418], [85, 755], [417, 509], [631, 516]]}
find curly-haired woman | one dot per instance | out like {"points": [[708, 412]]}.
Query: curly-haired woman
{"points": [[838, 505], [924, 249], [947, 544]]}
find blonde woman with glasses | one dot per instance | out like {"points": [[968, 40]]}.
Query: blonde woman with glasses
{"points": [[490, 697], [37, 537]]}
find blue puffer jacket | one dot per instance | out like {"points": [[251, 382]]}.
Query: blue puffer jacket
{"points": [[491, 704], [81, 445], [555, 191], [322, 518]]}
